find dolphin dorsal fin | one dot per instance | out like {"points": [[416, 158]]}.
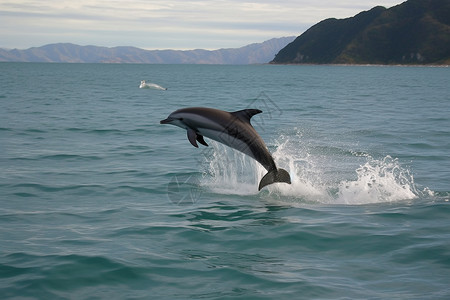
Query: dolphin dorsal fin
{"points": [[246, 114]]}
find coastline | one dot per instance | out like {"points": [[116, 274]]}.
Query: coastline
{"points": [[363, 65], [262, 64]]}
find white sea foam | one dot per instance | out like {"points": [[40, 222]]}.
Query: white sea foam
{"points": [[382, 180], [227, 171]]}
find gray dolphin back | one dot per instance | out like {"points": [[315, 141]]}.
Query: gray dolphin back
{"points": [[232, 129]]}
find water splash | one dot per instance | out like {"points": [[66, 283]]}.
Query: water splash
{"points": [[227, 171], [358, 178], [382, 180]]}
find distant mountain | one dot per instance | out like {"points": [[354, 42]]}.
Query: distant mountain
{"points": [[414, 32], [251, 54]]}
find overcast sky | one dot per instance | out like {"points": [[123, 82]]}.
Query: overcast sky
{"points": [[166, 24]]}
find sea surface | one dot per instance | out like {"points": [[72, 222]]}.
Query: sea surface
{"points": [[98, 200]]}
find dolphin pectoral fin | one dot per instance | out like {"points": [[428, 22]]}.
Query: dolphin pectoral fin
{"points": [[192, 136], [277, 175], [246, 114], [201, 140]]}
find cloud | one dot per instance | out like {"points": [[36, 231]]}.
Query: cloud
{"points": [[165, 24]]}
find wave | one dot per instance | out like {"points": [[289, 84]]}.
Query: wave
{"points": [[27, 189], [61, 276], [333, 176], [58, 157]]}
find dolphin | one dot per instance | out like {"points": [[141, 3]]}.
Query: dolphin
{"points": [[232, 129]]}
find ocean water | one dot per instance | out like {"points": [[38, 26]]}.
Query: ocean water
{"points": [[100, 201]]}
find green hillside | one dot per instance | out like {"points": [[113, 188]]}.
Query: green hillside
{"points": [[414, 32]]}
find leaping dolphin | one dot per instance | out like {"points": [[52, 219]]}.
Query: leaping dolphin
{"points": [[232, 129]]}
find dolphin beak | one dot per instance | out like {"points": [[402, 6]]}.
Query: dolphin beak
{"points": [[166, 121]]}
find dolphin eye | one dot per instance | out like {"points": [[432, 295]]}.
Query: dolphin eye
{"points": [[181, 119]]}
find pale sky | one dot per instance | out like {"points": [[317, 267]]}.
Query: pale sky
{"points": [[166, 24]]}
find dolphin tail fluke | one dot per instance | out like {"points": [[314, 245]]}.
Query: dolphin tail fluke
{"points": [[277, 175]]}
